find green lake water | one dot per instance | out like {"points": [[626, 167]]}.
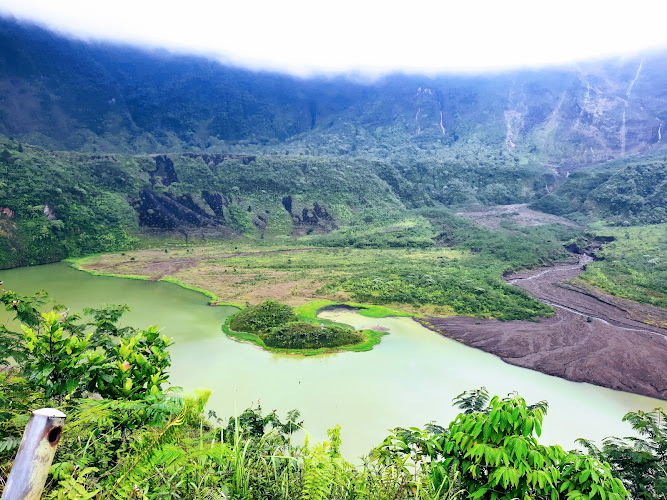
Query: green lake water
{"points": [[408, 380]]}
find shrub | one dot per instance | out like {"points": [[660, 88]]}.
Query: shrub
{"points": [[262, 317], [311, 336]]}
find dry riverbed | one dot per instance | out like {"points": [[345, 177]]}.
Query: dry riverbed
{"points": [[592, 337]]}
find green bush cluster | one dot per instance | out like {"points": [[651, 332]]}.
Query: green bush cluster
{"points": [[278, 326], [262, 317], [495, 454], [470, 292], [399, 231], [65, 357], [310, 336]]}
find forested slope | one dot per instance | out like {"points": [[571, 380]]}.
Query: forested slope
{"points": [[61, 204], [622, 192], [186, 145]]}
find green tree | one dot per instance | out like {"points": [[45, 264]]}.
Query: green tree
{"points": [[60, 355], [496, 455], [640, 462], [57, 363]]}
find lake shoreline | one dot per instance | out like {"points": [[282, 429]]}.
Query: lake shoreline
{"points": [[566, 345]]}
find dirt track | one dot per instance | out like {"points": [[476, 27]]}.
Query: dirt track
{"points": [[593, 337]]}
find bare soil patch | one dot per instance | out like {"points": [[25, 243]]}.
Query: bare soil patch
{"points": [[592, 337], [159, 270], [519, 214]]}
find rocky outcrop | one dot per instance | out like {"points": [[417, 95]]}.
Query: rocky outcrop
{"points": [[157, 210], [315, 216], [589, 247], [49, 213], [216, 202], [164, 169]]}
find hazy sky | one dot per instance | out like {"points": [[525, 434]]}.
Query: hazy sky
{"points": [[368, 36]]}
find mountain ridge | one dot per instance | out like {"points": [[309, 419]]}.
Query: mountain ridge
{"points": [[67, 94]]}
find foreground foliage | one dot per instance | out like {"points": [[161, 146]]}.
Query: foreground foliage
{"points": [[495, 451], [640, 461], [67, 358]]}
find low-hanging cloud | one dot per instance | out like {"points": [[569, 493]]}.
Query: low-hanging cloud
{"points": [[368, 37]]}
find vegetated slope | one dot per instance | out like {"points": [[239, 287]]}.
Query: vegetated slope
{"points": [[54, 205], [622, 192], [633, 266], [64, 204], [68, 94]]}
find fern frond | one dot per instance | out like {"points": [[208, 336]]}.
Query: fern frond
{"points": [[9, 444], [159, 439]]}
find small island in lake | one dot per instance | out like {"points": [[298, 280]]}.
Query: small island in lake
{"points": [[274, 326]]}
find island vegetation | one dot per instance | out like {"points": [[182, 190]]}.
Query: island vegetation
{"points": [[279, 328]]}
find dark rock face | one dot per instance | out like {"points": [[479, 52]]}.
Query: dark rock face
{"points": [[260, 222], [164, 168], [313, 216], [162, 207], [216, 201], [287, 203], [317, 216], [163, 212], [187, 201], [8, 212]]}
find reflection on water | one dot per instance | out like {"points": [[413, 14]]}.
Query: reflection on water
{"points": [[408, 380]]}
